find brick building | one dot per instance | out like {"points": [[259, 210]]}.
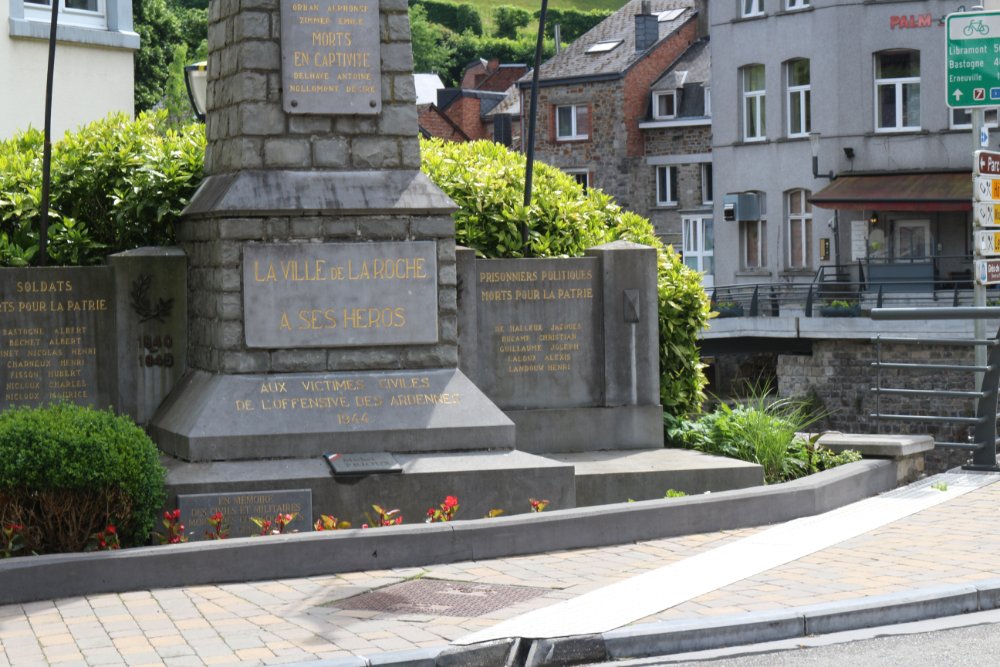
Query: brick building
{"points": [[468, 113], [596, 115]]}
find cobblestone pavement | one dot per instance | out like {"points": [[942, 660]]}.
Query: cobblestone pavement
{"points": [[299, 620]]}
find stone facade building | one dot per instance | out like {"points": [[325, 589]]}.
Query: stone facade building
{"points": [[597, 95]]}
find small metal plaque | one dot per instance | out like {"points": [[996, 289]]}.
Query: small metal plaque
{"points": [[330, 57], [365, 463]]}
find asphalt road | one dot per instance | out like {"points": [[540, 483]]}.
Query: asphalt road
{"points": [[972, 640]]}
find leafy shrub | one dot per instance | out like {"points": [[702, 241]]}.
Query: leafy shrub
{"points": [[116, 184], [486, 181], [458, 17], [573, 22], [67, 472], [761, 430]]}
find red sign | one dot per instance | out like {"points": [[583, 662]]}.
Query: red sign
{"points": [[903, 22], [987, 271], [987, 162]]}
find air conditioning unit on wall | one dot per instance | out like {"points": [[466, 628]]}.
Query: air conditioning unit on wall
{"points": [[740, 206]]}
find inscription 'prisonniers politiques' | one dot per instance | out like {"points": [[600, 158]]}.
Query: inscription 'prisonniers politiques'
{"points": [[330, 57], [340, 294]]}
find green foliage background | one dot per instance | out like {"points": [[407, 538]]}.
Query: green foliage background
{"points": [[116, 184], [486, 181]]}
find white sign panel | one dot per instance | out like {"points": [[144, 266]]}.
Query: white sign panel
{"points": [[859, 239], [986, 189]]}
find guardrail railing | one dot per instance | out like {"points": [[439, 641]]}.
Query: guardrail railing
{"points": [[984, 418]]}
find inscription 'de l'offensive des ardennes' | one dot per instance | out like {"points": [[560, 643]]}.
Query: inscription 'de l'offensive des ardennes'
{"points": [[340, 294], [49, 331], [330, 57]]}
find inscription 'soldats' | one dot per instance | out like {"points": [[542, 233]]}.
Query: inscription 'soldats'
{"points": [[330, 57]]}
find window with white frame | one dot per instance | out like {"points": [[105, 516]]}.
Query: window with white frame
{"points": [[754, 121], [792, 5], [572, 122], [666, 186], [753, 250], [751, 8], [961, 119], [799, 229], [581, 176], [799, 102], [706, 183], [897, 91], [84, 13], [664, 105]]}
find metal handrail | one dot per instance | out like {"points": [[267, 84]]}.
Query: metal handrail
{"points": [[984, 423]]}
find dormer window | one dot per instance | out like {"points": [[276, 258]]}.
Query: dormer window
{"points": [[669, 15], [604, 47], [664, 105]]}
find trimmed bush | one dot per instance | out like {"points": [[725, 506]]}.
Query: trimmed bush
{"points": [[458, 17], [508, 20], [117, 184], [67, 472], [573, 22], [486, 181]]}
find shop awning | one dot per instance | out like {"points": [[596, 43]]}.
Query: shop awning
{"points": [[899, 192]]}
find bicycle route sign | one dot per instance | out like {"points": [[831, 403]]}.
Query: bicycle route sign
{"points": [[973, 59]]}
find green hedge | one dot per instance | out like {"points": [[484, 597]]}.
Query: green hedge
{"points": [[456, 16], [117, 184], [573, 22], [67, 472], [486, 180]]}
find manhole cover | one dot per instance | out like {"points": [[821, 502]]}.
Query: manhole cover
{"points": [[440, 598]]}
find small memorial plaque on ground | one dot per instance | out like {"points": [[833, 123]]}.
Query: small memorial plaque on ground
{"points": [[363, 463], [239, 509]]}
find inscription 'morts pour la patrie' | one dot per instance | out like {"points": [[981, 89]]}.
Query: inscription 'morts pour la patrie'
{"points": [[340, 294], [330, 57]]}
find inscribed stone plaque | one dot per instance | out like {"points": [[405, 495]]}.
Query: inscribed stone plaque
{"points": [[238, 508], [340, 294], [539, 332], [57, 334], [330, 57]]}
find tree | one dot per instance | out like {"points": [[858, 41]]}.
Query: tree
{"points": [[432, 50], [507, 20], [162, 25]]}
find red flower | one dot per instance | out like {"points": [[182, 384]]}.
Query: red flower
{"points": [[450, 501], [111, 530]]}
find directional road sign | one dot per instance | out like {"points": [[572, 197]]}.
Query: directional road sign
{"points": [[986, 162], [973, 59], [985, 188], [988, 271], [987, 242], [986, 214]]}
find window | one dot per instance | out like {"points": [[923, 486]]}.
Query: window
{"points": [[751, 8], [664, 105], [698, 246], [604, 47], [792, 5], [961, 119], [753, 253], [581, 176], [86, 13], [666, 186], [706, 183], [897, 91], [799, 98], [572, 122], [913, 239], [754, 125], [799, 229]]}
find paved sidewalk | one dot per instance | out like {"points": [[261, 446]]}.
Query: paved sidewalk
{"points": [[322, 618]]}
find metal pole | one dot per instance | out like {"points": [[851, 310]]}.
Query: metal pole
{"points": [[530, 148], [978, 291], [43, 209]]}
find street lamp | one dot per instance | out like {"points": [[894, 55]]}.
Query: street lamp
{"points": [[814, 145], [196, 78]]}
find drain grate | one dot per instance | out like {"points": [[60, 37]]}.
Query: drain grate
{"points": [[440, 598]]}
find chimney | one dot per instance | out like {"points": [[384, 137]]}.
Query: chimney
{"points": [[647, 28], [701, 7]]}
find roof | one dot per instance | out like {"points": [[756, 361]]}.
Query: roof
{"points": [[427, 86], [921, 191], [695, 66], [574, 61], [510, 105]]}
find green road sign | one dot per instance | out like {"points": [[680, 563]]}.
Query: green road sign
{"points": [[973, 59]]}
